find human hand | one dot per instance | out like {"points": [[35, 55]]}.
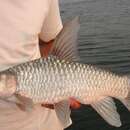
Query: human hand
{"points": [[44, 50], [7, 85], [74, 104]]}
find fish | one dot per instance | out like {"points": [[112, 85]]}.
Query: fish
{"points": [[61, 76]]}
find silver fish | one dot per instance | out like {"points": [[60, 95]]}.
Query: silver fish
{"points": [[60, 76]]}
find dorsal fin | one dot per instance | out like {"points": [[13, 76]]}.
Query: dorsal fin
{"points": [[65, 44]]}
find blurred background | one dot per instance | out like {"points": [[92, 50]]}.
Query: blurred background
{"points": [[104, 40]]}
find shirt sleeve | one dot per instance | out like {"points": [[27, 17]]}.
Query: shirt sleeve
{"points": [[52, 23]]}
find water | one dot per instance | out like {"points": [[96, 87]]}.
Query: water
{"points": [[104, 40]]}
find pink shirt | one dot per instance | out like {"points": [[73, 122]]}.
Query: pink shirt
{"points": [[21, 24]]}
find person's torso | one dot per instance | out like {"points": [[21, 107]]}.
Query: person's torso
{"points": [[20, 24]]}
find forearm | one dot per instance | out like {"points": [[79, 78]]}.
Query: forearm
{"points": [[45, 47], [44, 50]]}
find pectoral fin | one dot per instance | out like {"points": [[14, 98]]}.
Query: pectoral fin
{"points": [[107, 109], [63, 113], [24, 103]]}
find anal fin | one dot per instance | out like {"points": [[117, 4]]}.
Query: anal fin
{"points": [[63, 113], [107, 109]]}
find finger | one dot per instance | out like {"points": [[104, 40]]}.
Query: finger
{"points": [[50, 106], [74, 104]]}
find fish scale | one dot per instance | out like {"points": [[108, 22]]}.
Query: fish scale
{"points": [[65, 79]]}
